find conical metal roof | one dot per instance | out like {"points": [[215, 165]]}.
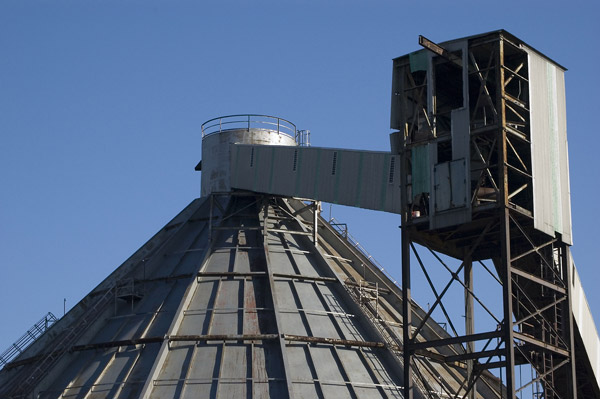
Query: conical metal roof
{"points": [[232, 298]]}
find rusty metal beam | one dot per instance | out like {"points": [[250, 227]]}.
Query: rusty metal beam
{"points": [[114, 344], [232, 274], [303, 277], [539, 311], [490, 366], [221, 337], [539, 280], [336, 341], [474, 355], [456, 340], [540, 344], [439, 299], [294, 232], [535, 249], [439, 50]]}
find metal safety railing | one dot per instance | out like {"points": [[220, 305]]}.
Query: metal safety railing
{"points": [[342, 230], [249, 121], [22, 384], [303, 138], [27, 339], [364, 293]]}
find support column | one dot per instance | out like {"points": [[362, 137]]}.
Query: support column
{"points": [[315, 221], [507, 325], [469, 320], [568, 316], [506, 264], [406, 314], [211, 198], [406, 296], [273, 292]]}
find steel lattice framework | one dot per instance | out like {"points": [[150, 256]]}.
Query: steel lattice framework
{"points": [[535, 326]]}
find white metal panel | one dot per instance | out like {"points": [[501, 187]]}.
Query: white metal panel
{"points": [[585, 321], [551, 200], [564, 157], [215, 153], [364, 179]]}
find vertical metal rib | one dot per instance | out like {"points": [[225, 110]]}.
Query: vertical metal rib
{"points": [[346, 299], [164, 349], [285, 362]]}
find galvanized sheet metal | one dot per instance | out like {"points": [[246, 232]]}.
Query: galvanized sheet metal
{"points": [[235, 304], [549, 149], [304, 305], [584, 321], [215, 153], [450, 187], [364, 179]]}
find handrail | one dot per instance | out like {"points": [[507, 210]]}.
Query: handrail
{"points": [[248, 121], [27, 339], [23, 387], [345, 234]]}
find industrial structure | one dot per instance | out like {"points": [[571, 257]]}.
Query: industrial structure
{"points": [[249, 292]]}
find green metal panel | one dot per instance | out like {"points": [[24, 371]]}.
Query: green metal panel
{"points": [[418, 60], [420, 170]]}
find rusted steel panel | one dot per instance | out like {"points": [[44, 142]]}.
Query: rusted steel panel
{"points": [[251, 315], [228, 317], [234, 371], [196, 318], [175, 365], [204, 370], [109, 383]]}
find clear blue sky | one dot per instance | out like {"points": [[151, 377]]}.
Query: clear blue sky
{"points": [[101, 104]]}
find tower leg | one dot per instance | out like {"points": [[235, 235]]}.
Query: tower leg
{"points": [[407, 314]]}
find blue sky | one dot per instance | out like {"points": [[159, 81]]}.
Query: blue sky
{"points": [[101, 104]]}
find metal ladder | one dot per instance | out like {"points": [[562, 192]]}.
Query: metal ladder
{"points": [[27, 339], [23, 386], [361, 294]]}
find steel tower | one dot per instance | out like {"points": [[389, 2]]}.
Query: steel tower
{"points": [[482, 140]]}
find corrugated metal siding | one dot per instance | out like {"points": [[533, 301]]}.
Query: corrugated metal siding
{"points": [[243, 305], [277, 285], [552, 203], [121, 371], [584, 322], [364, 179]]}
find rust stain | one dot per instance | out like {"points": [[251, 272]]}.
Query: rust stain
{"points": [[250, 314]]}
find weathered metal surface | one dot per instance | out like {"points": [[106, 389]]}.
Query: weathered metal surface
{"points": [[205, 324], [236, 299], [549, 149], [585, 325], [499, 105], [364, 179], [216, 153]]}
